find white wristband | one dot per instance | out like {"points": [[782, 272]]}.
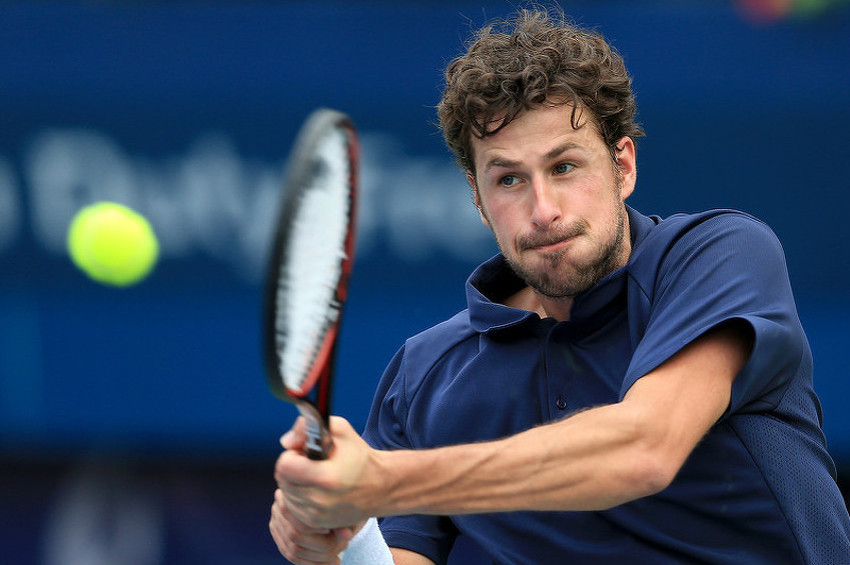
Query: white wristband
{"points": [[368, 547]]}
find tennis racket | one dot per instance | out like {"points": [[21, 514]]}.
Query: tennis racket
{"points": [[309, 268]]}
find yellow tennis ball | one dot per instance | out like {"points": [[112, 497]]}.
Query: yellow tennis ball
{"points": [[112, 244]]}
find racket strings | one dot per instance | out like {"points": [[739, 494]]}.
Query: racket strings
{"points": [[308, 283]]}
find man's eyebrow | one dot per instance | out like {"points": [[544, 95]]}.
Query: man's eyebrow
{"points": [[563, 148], [506, 163], [500, 162]]}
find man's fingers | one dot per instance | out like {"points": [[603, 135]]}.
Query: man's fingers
{"points": [[294, 468], [291, 519], [344, 534], [296, 437], [299, 543]]}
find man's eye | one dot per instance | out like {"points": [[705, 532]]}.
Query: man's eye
{"points": [[564, 168], [509, 180]]}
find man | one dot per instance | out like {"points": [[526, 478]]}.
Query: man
{"points": [[620, 389]]}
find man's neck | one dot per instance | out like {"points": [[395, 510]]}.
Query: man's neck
{"points": [[544, 306]]}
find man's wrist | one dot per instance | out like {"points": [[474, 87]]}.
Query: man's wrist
{"points": [[368, 547]]}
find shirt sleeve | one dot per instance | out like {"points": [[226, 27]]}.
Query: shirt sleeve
{"points": [[431, 536], [730, 267]]}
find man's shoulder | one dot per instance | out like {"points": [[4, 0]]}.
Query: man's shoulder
{"points": [[703, 227], [429, 346], [671, 244], [676, 225]]}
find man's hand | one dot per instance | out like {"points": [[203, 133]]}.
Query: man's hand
{"points": [[302, 544], [333, 493]]}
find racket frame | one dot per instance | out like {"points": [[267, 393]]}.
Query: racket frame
{"points": [[313, 403]]}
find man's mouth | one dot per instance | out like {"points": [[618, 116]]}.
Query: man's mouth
{"points": [[552, 245], [549, 242]]}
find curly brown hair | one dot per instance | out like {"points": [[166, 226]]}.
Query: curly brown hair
{"points": [[536, 58]]}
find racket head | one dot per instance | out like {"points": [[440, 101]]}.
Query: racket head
{"points": [[309, 267]]}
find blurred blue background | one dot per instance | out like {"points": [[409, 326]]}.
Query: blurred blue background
{"points": [[135, 424]]}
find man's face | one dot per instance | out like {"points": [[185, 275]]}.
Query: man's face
{"points": [[554, 199]]}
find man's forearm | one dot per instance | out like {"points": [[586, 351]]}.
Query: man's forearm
{"points": [[593, 460]]}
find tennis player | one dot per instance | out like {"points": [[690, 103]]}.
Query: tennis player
{"points": [[622, 388]]}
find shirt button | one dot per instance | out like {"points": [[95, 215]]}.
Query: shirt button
{"points": [[561, 403]]}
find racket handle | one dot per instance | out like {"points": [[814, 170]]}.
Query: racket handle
{"points": [[319, 441]]}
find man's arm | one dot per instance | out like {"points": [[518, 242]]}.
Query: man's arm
{"points": [[595, 459], [405, 557]]}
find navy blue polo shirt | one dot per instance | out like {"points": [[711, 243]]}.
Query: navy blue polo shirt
{"points": [[759, 489]]}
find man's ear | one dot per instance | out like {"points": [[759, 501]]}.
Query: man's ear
{"points": [[476, 198], [627, 164]]}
